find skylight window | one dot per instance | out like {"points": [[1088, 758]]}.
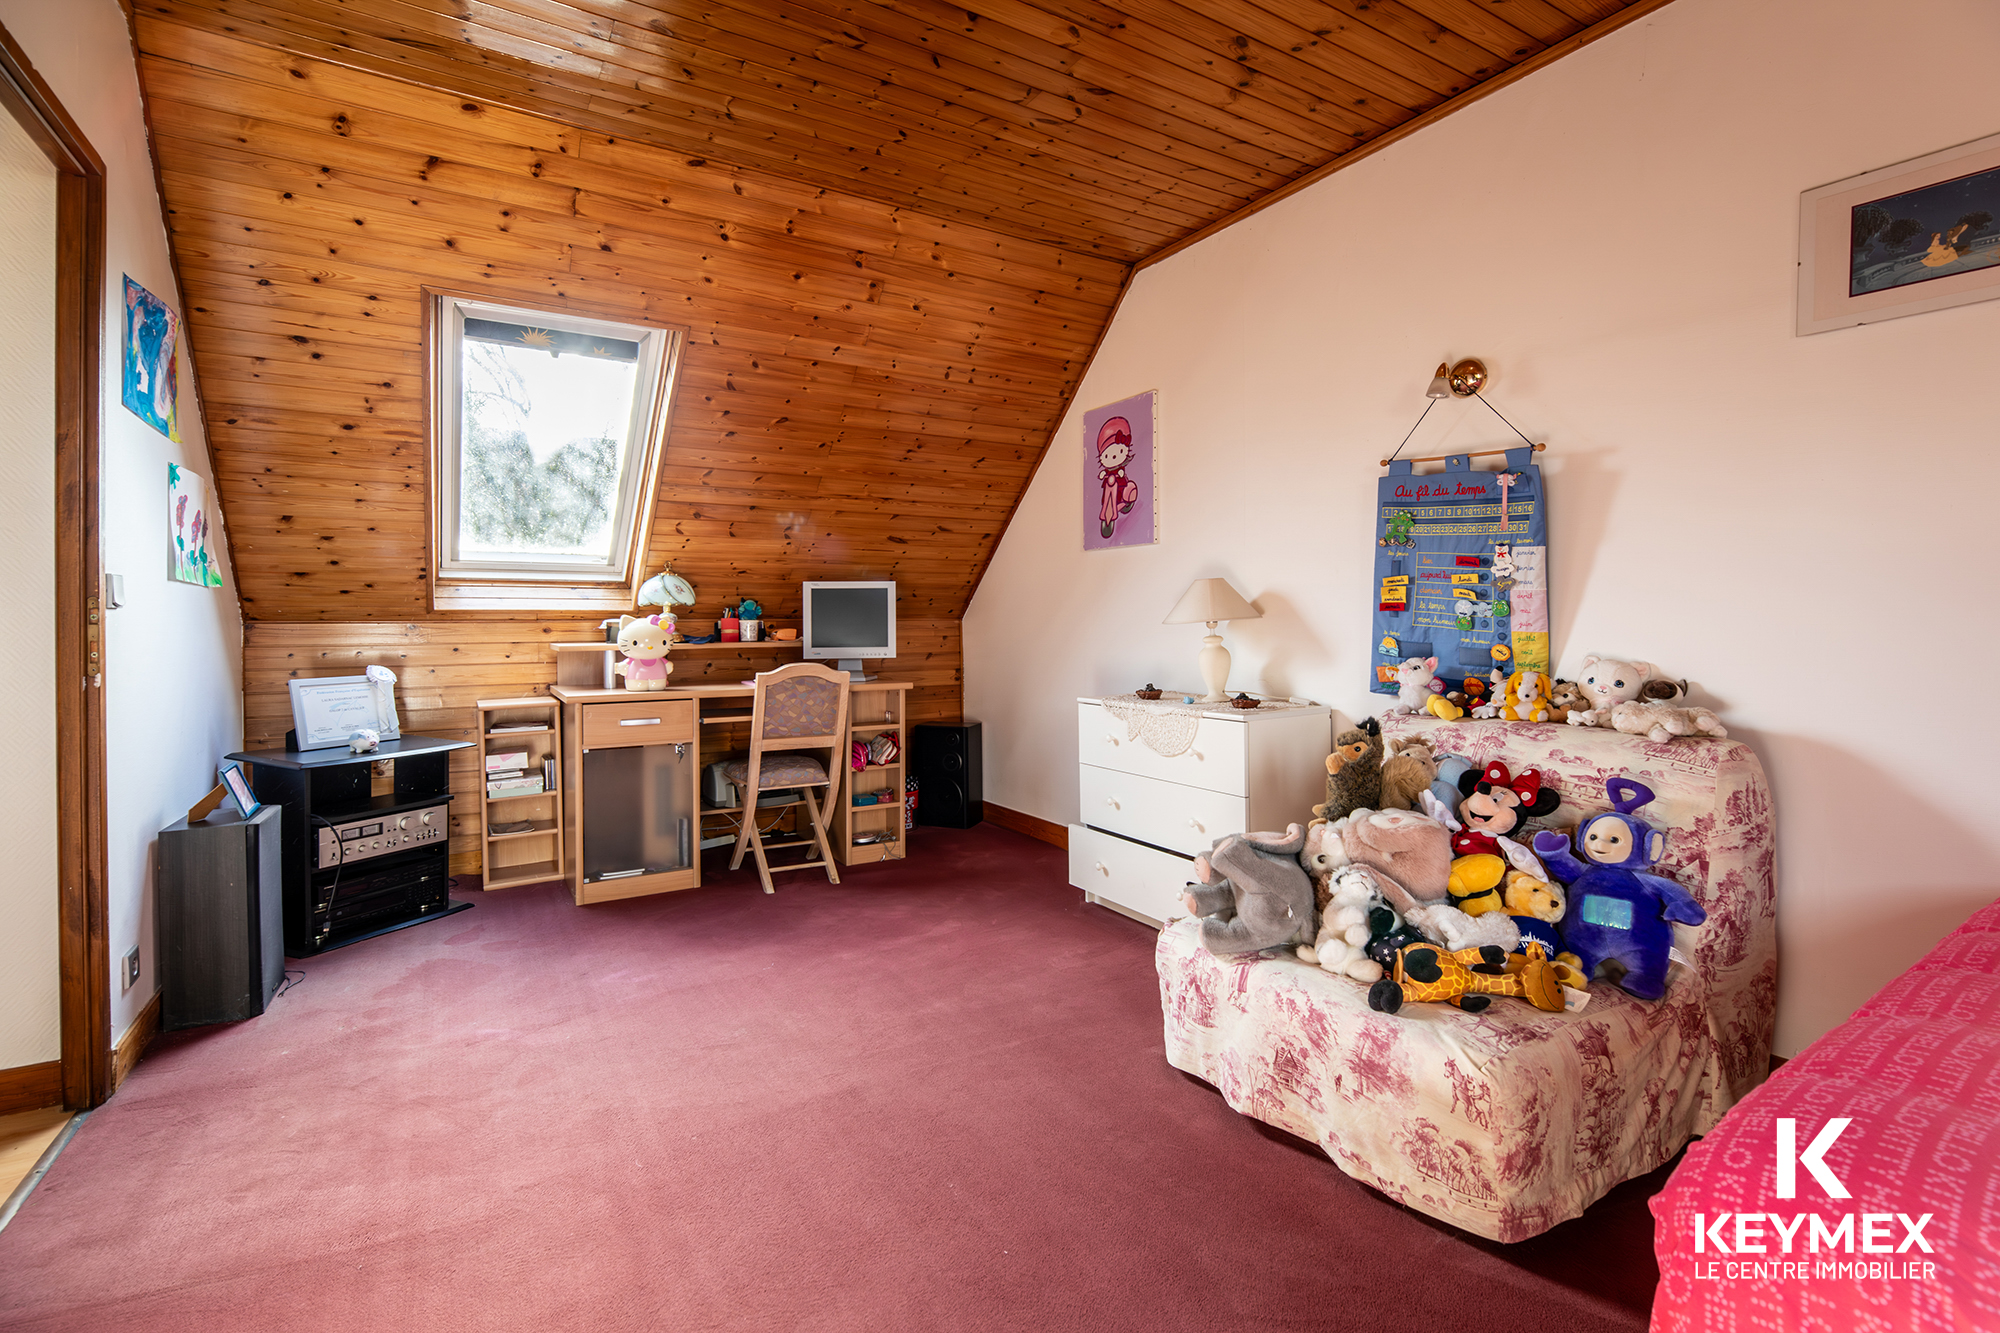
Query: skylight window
{"points": [[546, 435]]}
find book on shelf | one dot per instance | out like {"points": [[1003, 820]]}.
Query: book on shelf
{"points": [[517, 787], [505, 759], [501, 827], [519, 726]]}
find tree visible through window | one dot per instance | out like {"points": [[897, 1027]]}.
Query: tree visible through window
{"points": [[545, 455]]}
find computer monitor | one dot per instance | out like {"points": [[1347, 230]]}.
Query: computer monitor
{"points": [[850, 622]]}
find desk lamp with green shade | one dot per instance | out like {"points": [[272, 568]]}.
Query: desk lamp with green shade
{"points": [[1209, 601]]}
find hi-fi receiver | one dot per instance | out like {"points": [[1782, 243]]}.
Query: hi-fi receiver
{"points": [[382, 835]]}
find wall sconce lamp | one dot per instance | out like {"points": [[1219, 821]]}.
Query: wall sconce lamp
{"points": [[1463, 380]]}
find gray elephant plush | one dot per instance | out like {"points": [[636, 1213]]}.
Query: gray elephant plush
{"points": [[1252, 893]]}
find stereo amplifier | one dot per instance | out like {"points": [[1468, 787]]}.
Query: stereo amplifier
{"points": [[382, 835]]}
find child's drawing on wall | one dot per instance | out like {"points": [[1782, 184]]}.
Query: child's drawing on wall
{"points": [[189, 557]]}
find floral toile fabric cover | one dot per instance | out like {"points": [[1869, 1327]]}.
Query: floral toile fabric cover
{"points": [[1507, 1122]]}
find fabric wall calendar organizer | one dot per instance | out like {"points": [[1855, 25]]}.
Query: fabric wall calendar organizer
{"points": [[1461, 569]]}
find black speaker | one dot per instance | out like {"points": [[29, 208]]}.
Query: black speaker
{"points": [[948, 768], [221, 927]]}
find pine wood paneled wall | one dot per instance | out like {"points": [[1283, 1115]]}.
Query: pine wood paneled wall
{"points": [[865, 394], [444, 666]]}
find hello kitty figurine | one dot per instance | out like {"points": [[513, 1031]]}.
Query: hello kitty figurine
{"points": [[1114, 451], [644, 641], [1416, 681]]}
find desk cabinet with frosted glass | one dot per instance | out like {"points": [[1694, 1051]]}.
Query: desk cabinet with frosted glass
{"points": [[631, 774]]}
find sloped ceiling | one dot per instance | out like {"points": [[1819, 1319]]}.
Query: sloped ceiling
{"points": [[896, 229]]}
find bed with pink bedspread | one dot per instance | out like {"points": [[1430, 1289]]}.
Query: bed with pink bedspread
{"points": [[1916, 1073], [1509, 1121]]}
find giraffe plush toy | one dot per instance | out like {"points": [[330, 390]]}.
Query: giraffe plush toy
{"points": [[1469, 979]]}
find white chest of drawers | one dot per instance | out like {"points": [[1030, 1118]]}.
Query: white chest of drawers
{"points": [[1145, 815]]}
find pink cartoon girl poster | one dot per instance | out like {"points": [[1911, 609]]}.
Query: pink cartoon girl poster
{"points": [[1121, 473]]}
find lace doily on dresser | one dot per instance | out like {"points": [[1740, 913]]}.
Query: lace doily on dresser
{"points": [[1166, 726]]}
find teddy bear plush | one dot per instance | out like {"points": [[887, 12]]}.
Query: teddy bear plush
{"points": [[1607, 682], [1536, 905], [644, 641], [1353, 771], [1410, 767], [1251, 892], [1662, 722], [1618, 911], [1342, 944], [1566, 697]]}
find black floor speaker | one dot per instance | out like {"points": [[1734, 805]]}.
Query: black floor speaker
{"points": [[221, 936], [948, 768]]}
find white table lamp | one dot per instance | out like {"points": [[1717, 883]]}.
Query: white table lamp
{"points": [[1208, 601]]}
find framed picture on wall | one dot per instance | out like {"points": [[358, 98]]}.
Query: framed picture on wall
{"points": [[1901, 240], [1121, 473]]}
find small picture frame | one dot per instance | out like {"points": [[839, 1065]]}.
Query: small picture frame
{"points": [[238, 782], [329, 709]]}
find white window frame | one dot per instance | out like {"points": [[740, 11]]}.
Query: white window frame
{"points": [[554, 584]]}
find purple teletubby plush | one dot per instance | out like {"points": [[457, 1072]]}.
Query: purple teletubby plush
{"points": [[1616, 910]]}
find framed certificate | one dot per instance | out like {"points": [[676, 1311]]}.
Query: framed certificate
{"points": [[326, 711]]}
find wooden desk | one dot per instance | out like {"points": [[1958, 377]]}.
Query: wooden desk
{"points": [[631, 774]]}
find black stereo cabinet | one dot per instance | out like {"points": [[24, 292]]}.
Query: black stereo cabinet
{"points": [[338, 905]]}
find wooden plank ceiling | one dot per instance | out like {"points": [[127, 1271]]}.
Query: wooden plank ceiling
{"points": [[896, 228]]}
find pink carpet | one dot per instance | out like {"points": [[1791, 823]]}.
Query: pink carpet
{"points": [[929, 1098]]}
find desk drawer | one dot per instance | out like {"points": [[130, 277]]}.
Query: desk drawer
{"points": [[1140, 880], [1166, 814], [1215, 761], [638, 723]]}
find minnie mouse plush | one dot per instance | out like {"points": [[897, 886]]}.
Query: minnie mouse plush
{"points": [[1496, 805]]}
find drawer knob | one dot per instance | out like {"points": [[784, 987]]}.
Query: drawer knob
{"points": [[1109, 739], [1195, 824], [1112, 801], [1101, 869]]}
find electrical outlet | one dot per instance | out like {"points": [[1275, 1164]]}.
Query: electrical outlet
{"points": [[131, 969]]}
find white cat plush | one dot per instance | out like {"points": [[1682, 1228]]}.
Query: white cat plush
{"points": [[1607, 682], [1414, 685]]}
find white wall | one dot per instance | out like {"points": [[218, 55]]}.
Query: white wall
{"points": [[30, 981], [1801, 525], [174, 653]]}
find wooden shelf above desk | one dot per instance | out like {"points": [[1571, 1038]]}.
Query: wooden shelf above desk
{"points": [[586, 665]]}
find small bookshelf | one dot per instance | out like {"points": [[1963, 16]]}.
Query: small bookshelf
{"points": [[520, 791], [874, 832]]}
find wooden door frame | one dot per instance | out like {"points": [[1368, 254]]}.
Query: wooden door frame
{"points": [[81, 860]]}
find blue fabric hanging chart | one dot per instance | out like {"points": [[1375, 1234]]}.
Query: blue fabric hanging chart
{"points": [[1461, 570]]}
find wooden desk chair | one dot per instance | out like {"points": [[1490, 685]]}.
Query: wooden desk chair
{"points": [[797, 708]]}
